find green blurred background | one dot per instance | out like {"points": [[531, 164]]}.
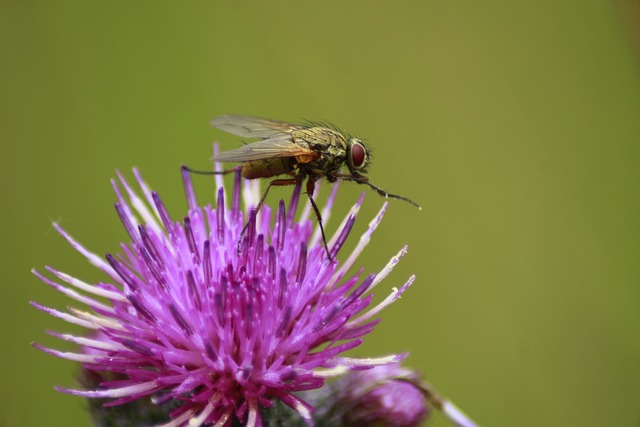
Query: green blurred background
{"points": [[515, 124]]}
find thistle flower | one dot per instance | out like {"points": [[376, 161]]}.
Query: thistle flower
{"points": [[215, 330], [383, 396], [386, 396]]}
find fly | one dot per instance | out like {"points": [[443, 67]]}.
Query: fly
{"points": [[311, 151]]}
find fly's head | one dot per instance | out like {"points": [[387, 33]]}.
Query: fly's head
{"points": [[357, 156]]}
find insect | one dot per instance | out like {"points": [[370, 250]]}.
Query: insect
{"points": [[311, 151]]}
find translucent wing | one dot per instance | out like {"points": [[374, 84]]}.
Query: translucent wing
{"points": [[253, 127], [279, 146]]}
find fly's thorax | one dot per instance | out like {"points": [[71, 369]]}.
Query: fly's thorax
{"points": [[319, 136], [329, 145], [267, 168]]}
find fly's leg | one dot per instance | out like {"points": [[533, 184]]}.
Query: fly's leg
{"points": [[383, 193], [364, 180], [274, 183], [292, 181], [224, 172], [310, 187]]}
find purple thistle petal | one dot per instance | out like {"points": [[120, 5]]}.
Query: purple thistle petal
{"points": [[354, 363], [79, 284], [235, 205], [163, 214], [138, 204], [251, 194], [93, 259], [387, 269], [217, 166], [126, 220], [293, 203], [97, 321], [131, 282], [74, 357], [64, 316], [455, 415], [342, 237], [395, 294], [139, 390], [362, 243], [344, 228], [188, 188], [94, 304], [146, 191], [87, 342]]}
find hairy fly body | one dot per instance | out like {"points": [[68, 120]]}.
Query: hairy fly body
{"points": [[310, 151]]}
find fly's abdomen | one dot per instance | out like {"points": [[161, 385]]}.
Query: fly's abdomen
{"points": [[267, 168]]}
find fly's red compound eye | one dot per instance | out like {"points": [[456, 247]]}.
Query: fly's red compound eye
{"points": [[358, 155]]}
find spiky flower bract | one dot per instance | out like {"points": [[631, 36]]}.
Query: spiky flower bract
{"points": [[215, 328]]}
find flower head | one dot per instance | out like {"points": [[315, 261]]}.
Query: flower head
{"points": [[382, 396], [189, 315]]}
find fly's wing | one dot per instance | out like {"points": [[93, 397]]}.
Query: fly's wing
{"points": [[253, 127], [279, 146]]}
